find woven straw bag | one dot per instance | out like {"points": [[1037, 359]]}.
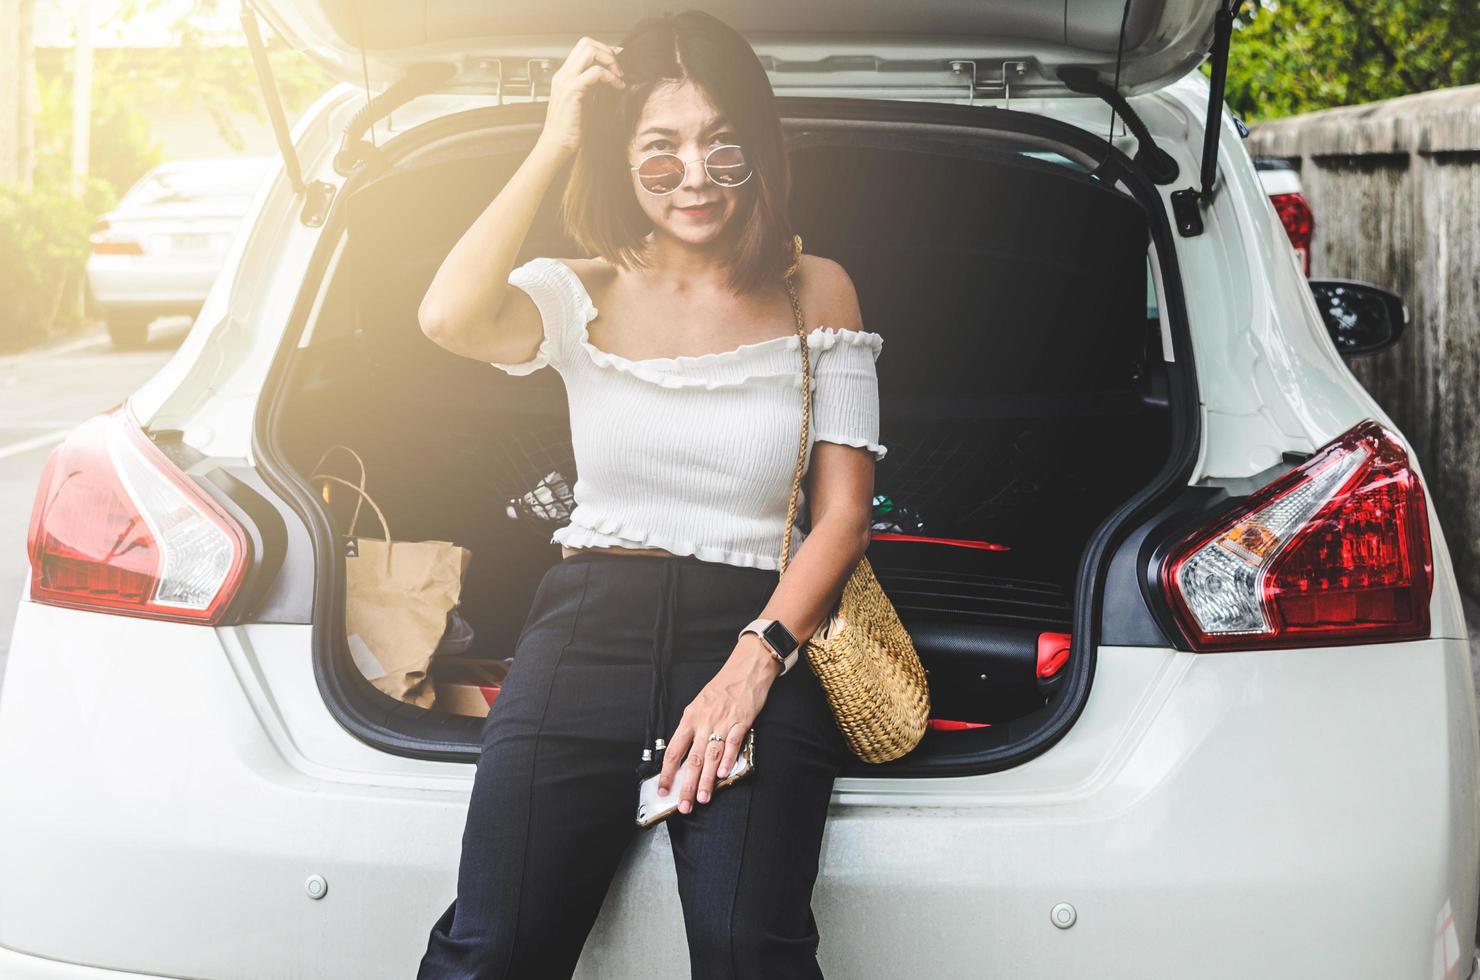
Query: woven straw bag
{"points": [[862, 653]]}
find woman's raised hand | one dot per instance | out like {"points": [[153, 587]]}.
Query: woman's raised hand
{"points": [[464, 307], [590, 62]]}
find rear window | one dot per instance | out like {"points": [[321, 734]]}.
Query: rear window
{"points": [[215, 184], [1048, 156]]}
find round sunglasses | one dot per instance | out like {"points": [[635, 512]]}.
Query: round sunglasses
{"points": [[664, 173]]}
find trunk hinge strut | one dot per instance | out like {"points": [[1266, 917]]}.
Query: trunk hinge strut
{"points": [[317, 195], [1188, 204]]}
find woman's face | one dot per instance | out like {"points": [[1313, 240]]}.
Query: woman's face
{"points": [[679, 118]]}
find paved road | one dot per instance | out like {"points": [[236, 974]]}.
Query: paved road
{"points": [[43, 395]]}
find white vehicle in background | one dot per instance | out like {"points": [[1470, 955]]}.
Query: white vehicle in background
{"points": [[1281, 181], [1193, 635], [159, 250]]}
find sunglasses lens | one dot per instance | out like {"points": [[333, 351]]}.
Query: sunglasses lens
{"points": [[727, 166], [661, 174]]}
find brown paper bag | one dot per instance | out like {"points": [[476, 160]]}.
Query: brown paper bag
{"points": [[397, 594]]}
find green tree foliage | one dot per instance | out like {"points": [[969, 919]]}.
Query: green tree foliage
{"points": [[43, 246], [120, 145], [209, 68], [44, 231], [1292, 56]]}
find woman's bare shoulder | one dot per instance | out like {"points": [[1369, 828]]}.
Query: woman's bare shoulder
{"points": [[827, 288], [590, 266], [595, 273]]}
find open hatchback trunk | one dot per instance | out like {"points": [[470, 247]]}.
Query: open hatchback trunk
{"points": [[835, 44], [1026, 397], [1036, 382]]}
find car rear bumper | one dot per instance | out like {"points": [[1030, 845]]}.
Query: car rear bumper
{"points": [[22, 966], [1305, 813], [126, 283]]}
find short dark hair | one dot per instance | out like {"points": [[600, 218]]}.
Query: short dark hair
{"points": [[600, 208]]}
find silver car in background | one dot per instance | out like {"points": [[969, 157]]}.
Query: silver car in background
{"points": [[159, 250]]}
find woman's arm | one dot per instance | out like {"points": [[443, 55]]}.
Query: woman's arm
{"points": [[468, 308], [840, 494]]}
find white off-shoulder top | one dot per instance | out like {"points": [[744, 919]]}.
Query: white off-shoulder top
{"points": [[694, 454]]}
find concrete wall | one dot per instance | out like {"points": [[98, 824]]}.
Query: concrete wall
{"points": [[1395, 187]]}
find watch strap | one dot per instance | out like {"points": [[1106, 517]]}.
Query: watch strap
{"points": [[777, 639]]}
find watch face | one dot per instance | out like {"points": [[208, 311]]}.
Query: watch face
{"points": [[780, 638]]}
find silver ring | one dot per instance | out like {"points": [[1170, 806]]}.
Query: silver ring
{"points": [[716, 737]]}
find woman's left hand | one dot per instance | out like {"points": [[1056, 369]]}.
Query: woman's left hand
{"points": [[728, 704]]}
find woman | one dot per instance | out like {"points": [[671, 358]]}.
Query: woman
{"points": [[682, 366]]}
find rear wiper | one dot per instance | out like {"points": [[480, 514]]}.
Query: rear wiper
{"points": [[420, 79], [1155, 162]]}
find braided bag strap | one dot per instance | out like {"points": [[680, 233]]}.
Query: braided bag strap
{"points": [[796, 311], [862, 655]]}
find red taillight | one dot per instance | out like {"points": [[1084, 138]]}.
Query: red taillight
{"points": [[116, 247], [117, 527], [1335, 551], [104, 242], [1299, 221]]}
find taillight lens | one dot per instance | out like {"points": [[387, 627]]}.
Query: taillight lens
{"points": [[1335, 551], [105, 241], [116, 246], [117, 527], [1299, 221]]}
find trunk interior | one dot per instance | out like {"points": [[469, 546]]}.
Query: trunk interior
{"points": [[1023, 396]]}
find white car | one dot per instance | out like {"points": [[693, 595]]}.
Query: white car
{"points": [[1281, 181], [158, 251], [1196, 650]]}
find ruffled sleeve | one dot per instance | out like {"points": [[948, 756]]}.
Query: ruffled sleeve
{"points": [[845, 399], [564, 305]]}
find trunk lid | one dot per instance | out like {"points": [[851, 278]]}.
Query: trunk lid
{"points": [[922, 49]]}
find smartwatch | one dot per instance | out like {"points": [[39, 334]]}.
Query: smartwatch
{"points": [[777, 638]]}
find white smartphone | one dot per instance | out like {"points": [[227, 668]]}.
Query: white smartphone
{"points": [[653, 808]]}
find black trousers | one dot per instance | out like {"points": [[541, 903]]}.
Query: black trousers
{"points": [[614, 648]]}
